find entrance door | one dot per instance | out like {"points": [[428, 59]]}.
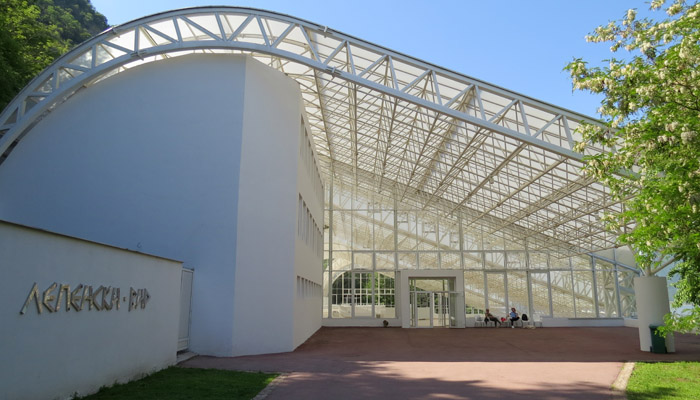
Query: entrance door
{"points": [[185, 302], [432, 309], [441, 309], [421, 309], [432, 302]]}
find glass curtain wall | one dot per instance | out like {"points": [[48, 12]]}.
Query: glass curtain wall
{"points": [[370, 235]]}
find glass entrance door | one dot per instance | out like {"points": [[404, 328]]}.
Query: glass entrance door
{"points": [[421, 309], [432, 309], [432, 302], [441, 309]]}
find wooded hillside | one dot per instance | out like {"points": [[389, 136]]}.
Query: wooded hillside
{"points": [[33, 33]]}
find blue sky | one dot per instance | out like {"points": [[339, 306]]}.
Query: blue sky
{"points": [[519, 45]]}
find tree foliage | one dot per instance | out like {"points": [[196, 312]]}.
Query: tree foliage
{"points": [[652, 108], [33, 33]]}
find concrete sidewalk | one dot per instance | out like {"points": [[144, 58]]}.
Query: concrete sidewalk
{"points": [[479, 363]]}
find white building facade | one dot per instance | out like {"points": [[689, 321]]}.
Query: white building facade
{"points": [[310, 178], [182, 159], [79, 315]]}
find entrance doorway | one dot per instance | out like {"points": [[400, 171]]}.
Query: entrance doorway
{"points": [[432, 303]]}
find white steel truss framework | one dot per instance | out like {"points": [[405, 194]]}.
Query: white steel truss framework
{"points": [[442, 141]]}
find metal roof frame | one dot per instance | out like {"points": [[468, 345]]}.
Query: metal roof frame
{"points": [[453, 144]]}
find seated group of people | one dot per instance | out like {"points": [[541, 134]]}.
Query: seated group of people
{"points": [[513, 316]]}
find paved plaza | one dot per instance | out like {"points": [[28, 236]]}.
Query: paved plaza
{"points": [[479, 363]]}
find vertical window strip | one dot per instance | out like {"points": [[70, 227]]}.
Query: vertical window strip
{"points": [[309, 161]]}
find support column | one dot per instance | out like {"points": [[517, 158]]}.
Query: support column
{"points": [[651, 293]]}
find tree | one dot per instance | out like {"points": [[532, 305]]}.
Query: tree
{"points": [[34, 33], [26, 46], [77, 20], [651, 107]]}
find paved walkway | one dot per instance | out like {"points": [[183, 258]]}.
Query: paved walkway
{"points": [[479, 363]]}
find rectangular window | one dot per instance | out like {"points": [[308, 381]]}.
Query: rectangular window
{"points": [[562, 294], [474, 296], [385, 306], [583, 290], [539, 282], [300, 214], [606, 283]]}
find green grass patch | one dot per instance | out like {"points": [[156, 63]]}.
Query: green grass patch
{"points": [[658, 381], [177, 383]]}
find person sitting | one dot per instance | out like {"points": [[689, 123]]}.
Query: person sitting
{"points": [[513, 317], [489, 317]]}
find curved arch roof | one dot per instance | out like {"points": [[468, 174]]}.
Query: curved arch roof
{"points": [[439, 140]]}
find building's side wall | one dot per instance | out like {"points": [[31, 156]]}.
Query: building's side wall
{"points": [[147, 160], [54, 354], [309, 239], [264, 315]]}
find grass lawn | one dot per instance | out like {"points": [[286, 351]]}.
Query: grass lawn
{"points": [[189, 383], [677, 380]]}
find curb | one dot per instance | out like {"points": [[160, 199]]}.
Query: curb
{"points": [[619, 387], [269, 388], [182, 357]]}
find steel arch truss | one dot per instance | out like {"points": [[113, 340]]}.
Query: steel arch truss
{"points": [[444, 141]]}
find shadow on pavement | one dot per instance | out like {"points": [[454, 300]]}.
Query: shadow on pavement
{"points": [[479, 363]]}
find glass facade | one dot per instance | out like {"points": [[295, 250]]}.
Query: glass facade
{"points": [[370, 235]]}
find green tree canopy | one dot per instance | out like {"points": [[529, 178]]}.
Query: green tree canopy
{"points": [[33, 33], [652, 108]]}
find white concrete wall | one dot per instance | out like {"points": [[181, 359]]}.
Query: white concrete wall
{"points": [[632, 322], [151, 160], [363, 322], [56, 354], [557, 322], [146, 160], [264, 295], [308, 264], [625, 256]]}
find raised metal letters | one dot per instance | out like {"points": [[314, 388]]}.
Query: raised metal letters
{"points": [[48, 297], [96, 298], [115, 297], [32, 293], [133, 299], [61, 289], [77, 299], [145, 296], [102, 299], [107, 305], [87, 296]]}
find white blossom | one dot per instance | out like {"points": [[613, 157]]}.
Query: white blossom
{"points": [[688, 136], [675, 8]]}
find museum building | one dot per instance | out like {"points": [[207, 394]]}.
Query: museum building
{"points": [[228, 180]]}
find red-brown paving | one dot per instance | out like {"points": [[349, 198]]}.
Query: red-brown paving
{"points": [[479, 363]]}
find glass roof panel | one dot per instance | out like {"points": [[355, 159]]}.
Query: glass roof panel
{"points": [[447, 144]]}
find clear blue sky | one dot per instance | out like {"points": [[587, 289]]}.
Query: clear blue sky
{"points": [[519, 45]]}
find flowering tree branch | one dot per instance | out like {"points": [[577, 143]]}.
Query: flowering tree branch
{"points": [[651, 108]]}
